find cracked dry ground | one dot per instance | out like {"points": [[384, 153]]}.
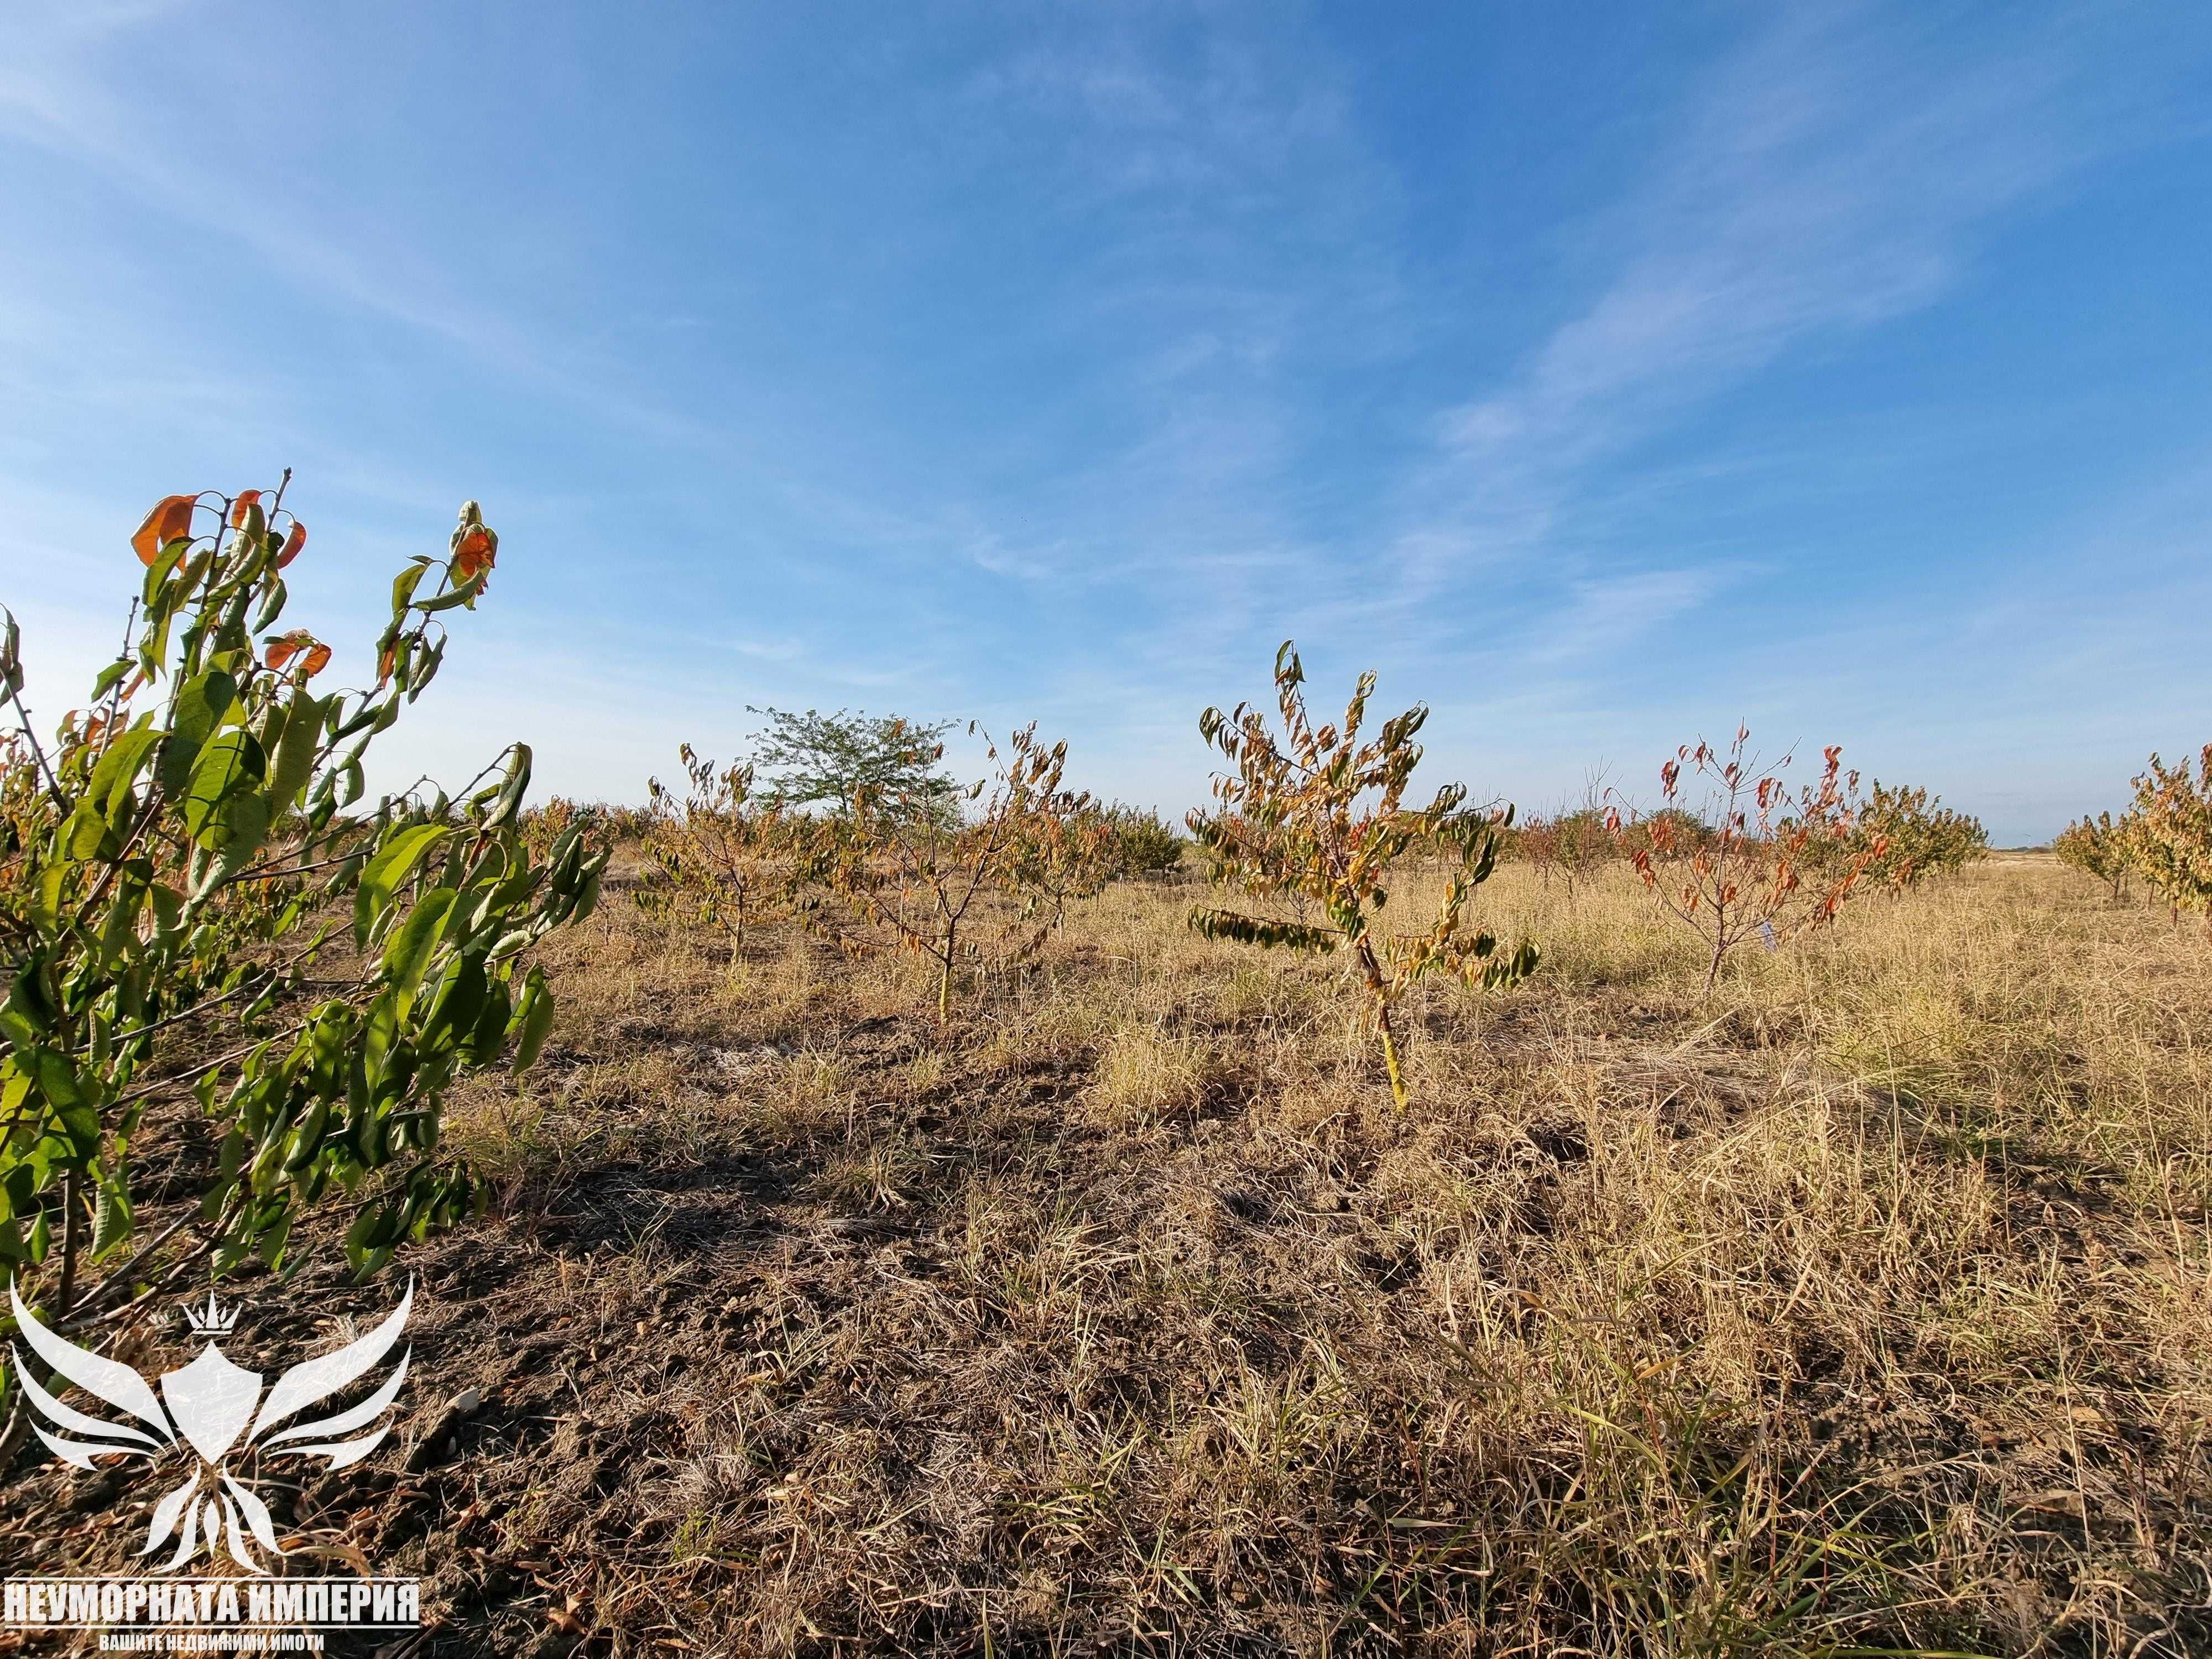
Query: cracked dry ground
{"points": [[1864, 1307]]}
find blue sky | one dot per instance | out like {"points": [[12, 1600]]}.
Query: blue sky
{"points": [[1599, 375]]}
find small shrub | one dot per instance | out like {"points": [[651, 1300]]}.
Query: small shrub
{"points": [[1919, 837], [906, 873], [1141, 844], [2096, 846], [2168, 834], [1571, 844], [1758, 862], [716, 854], [1315, 819]]}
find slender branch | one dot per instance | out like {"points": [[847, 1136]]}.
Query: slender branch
{"points": [[274, 867], [67, 1289], [115, 691], [194, 1073], [37, 751], [122, 1275], [175, 1269]]}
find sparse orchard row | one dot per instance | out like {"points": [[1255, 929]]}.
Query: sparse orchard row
{"points": [[991, 873], [2165, 837], [209, 939], [1910, 837], [864, 841], [2095, 847]]}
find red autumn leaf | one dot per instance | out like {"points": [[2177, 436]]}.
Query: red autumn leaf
{"points": [[172, 517], [241, 504], [293, 544], [478, 552], [314, 656]]}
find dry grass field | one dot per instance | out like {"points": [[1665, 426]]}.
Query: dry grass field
{"points": [[1866, 1308]]}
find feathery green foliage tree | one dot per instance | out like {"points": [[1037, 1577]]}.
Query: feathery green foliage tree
{"points": [[831, 761], [1317, 819]]}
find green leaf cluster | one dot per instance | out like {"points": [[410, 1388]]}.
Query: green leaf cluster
{"points": [[1910, 837], [2097, 847], [2168, 832], [197, 922]]}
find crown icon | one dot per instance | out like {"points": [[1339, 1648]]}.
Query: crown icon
{"points": [[211, 1321]]}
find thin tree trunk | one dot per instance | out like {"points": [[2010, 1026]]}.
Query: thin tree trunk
{"points": [[65, 1292], [1390, 1060], [1372, 971]]}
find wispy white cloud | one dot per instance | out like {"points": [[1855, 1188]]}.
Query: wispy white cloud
{"points": [[1603, 614], [1225, 388], [1832, 176]]}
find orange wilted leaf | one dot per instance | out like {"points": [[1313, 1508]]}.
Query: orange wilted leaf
{"points": [[282, 650], [292, 543], [172, 517], [241, 504], [478, 552]]}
